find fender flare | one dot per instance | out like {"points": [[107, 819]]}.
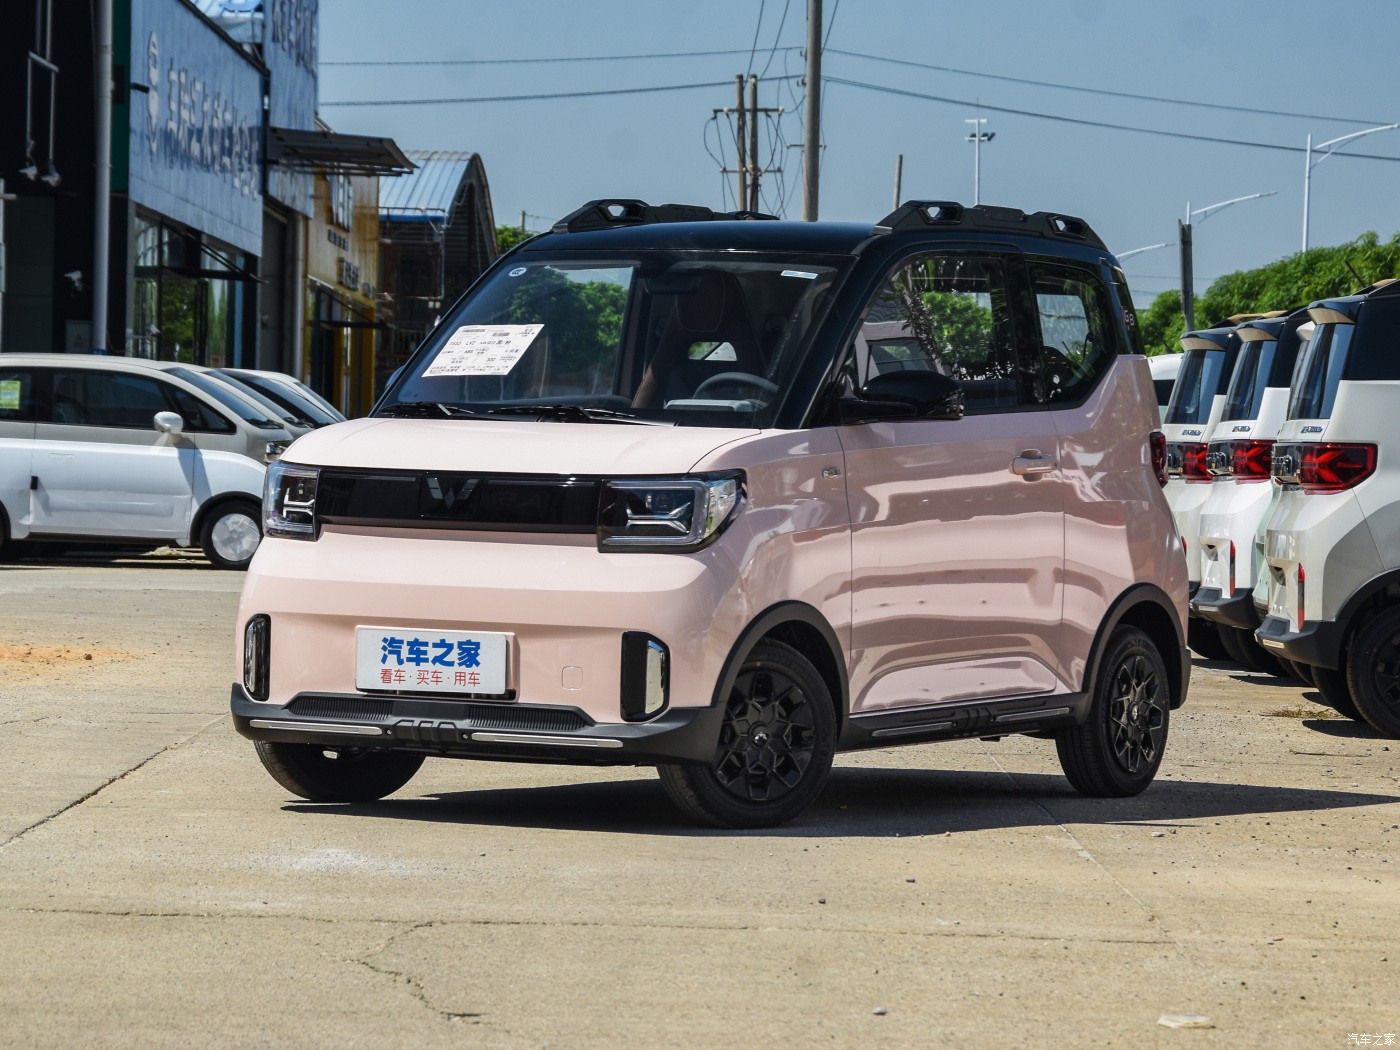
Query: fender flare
{"points": [[761, 625], [1359, 597], [1178, 670]]}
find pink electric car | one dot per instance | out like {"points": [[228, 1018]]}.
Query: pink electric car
{"points": [[727, 496]]}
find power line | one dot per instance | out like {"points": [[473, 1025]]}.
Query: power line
{"points": [[776, 37], [1103, 91], [528, 61], [1090, 123], [526, 98], [753, 48]]}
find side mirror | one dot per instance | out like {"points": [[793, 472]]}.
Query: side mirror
{"points": [[171, 423], [905, 395]]}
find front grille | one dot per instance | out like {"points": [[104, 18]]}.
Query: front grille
{"points": [[443, 500], [475, 716], [361, 709]]}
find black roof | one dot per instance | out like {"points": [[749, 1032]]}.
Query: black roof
{"points": [[622, 224]]}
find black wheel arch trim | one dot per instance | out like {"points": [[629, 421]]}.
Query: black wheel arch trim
{"points": [[764, 624], [1178, 669]]}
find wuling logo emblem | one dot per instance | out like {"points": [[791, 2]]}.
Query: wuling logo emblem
{"points": [[443, 493]]}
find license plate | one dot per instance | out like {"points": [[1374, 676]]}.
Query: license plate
{"points": [[415, 660]]}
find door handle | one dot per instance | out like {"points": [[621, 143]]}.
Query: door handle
{"points": [[1031, 463]]}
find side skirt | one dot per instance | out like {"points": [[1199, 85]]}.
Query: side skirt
{"points": [[952, 721]]}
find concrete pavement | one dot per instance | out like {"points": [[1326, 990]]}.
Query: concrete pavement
{"points": [[157, 888]]}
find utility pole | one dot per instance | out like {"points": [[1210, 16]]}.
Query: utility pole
{"points": [[522, 220], [898, 177], [812, 120], [741, 145], [102, 217], [754, 167]]}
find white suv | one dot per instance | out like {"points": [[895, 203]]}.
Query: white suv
{"points": [[1240, 496], [1333, 542], [117, 449]]}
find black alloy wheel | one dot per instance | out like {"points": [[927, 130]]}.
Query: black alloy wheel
{"points": [[321, 773], [1373, 672], [774, 750], [1117, 751]]}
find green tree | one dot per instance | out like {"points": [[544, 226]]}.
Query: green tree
{"points": [[1301, 278], [507, 237], [583, 330]]}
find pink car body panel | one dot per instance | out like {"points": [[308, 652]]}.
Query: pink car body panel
{"points": [[1002, 598]]}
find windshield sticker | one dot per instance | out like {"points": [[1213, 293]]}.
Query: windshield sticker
{"points": [[800, 273], [483, 350], [9, 394], [518, 271]]}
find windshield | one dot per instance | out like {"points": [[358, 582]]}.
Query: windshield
{"points": [[1319, 372], [249, 411], [290, 400], [687, 339], [273, 410], [1203, 375]]}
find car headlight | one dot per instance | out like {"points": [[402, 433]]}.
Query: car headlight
{"points": [[289, 501], [670, 514]]}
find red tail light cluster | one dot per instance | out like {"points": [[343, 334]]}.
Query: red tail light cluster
{"points": [[1157, 442], [1330, 466], [1251, 460], [1193, 461]]}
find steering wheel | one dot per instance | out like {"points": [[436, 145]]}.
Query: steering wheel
{"points": [[742, 379]]}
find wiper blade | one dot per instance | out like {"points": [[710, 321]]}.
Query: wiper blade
{"points": [[575, 414]]}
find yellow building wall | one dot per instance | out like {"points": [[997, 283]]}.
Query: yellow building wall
{"points": [[342, 260]]}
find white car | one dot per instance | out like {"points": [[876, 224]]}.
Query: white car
{"points": [[304, 406], [1165, 368], [1333, 541], [118, 449], [1197, 401], [1242, 492]]}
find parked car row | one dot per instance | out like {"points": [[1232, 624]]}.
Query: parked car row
{"points": [[1284, 455], [124, 450]]}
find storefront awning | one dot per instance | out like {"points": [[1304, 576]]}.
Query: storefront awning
{"points": [[333, 152]]}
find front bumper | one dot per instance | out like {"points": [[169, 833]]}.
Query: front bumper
{"points": [[1318, 644], [1209, 603], [496, 731]]}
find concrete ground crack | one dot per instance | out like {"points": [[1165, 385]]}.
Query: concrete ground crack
{"points": [[414, 984], [103, 786]]}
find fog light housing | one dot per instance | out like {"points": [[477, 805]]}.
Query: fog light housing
{"points": [[257, 652], [646, 676]]}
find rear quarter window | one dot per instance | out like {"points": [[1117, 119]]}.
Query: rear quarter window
{"points": [[1375, 348]]}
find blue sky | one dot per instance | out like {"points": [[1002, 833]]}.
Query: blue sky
{"points": [[547, 157]]}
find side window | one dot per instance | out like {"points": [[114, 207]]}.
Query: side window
{"points": [[18, 396], [1076, 330], [106, 399], [947, 313], [199, 417]]}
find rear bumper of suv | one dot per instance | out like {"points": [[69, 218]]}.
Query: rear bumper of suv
{"points": [[1318, 644], [501, 732], [1210, 603]]}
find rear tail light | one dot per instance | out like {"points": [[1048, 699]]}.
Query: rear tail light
{"points": [[1302, 577], [1251, 460], [1333, 466], [1157, 442], [1193, 461]]}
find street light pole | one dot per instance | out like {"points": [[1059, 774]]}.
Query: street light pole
{"points": [[1188, 280], [1327, 149], [978, 137]]}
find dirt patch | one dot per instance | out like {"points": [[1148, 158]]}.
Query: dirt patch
{"points": [[1305, 712], [57, 655]]}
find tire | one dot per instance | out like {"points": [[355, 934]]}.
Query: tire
{"points": [[342, 774], [231, 533], [1336, 694], [1236, 649], [1262, 659], [1204, 639], [1305, 673], [775, 746], [1373, 673], [1296, 671], [1117, 751]]}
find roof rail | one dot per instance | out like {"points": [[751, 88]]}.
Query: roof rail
{"points": [[921, 214], [612, 212]]}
